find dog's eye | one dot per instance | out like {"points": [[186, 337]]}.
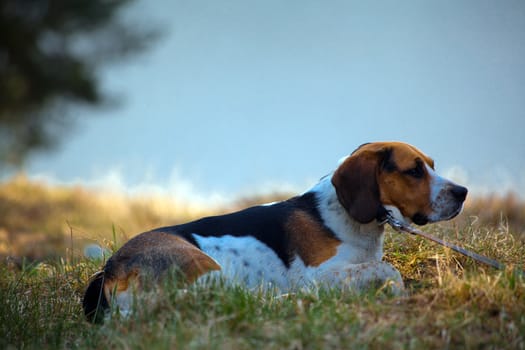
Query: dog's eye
{"points": [[416, 172]]}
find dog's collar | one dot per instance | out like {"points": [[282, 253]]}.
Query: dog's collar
{"points": [[382, 215], [399, 225]]}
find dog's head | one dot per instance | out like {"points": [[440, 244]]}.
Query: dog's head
{"points": [[398, 177]]}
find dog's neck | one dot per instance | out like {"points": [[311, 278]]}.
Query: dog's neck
{"points": [[366, 237]]}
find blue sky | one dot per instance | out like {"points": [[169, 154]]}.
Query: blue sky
{"points": [[242, 96]]}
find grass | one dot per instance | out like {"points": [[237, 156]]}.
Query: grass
{"points": [[451, 301]]}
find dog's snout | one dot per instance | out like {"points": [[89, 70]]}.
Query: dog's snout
{"points": [[459, 192]]}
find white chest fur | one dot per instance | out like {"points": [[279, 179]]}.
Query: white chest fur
{"points": [[360, 242]]}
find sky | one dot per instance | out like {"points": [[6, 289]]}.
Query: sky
{"points": [[243, 96]]}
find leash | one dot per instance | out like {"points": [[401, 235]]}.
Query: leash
{"points": [[402, 227]]}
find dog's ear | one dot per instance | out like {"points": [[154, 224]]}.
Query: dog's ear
{"points": [[355, 182]]}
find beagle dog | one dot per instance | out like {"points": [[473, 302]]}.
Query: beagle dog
{"points": [[330, 235]]}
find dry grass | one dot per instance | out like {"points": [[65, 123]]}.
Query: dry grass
{"points": [[39, 221], [452, 302], [496, 210]]}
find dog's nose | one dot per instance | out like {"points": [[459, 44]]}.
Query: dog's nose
{"points": [[459, 192]]}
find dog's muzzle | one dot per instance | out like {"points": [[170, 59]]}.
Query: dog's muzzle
{"points": [[447, 205]]}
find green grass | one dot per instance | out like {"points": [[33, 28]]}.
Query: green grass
{"points": [[451, 301]]}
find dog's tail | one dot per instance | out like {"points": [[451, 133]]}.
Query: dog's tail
{"points": [[95, 303]]}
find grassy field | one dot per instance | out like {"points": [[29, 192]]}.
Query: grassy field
{"points": [[451, 301]]}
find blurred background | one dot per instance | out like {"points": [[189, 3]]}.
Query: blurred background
{"points": [[210, 98], [209, 101]]}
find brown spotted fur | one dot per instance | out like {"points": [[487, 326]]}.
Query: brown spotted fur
{"points": [[313, 242], [153, 253]]}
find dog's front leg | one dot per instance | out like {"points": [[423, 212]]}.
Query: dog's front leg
{"points": [[364, 276]]}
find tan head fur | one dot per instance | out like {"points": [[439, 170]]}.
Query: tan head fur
{"points": [[393, 174]]}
